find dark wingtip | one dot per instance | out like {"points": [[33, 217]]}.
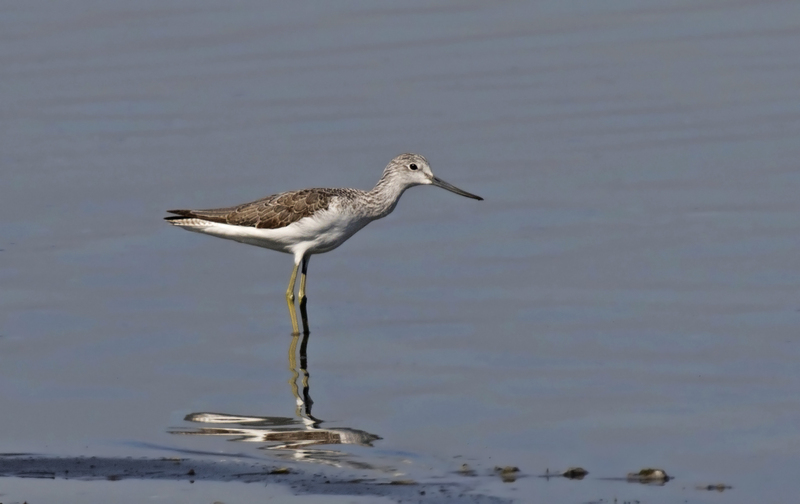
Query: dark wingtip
{"points": [[181, 214]]}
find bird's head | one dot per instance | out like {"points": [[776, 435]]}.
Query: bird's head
{"points": [[409, 170]]}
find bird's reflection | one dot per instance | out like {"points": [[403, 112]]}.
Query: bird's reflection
{"points": [[298, 437]]}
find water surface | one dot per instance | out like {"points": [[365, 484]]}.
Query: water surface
{"points": [[625, 297]]}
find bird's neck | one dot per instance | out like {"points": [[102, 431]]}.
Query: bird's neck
{"points": [[384, 196]]}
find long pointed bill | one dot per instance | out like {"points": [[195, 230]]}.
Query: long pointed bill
{"points": [[444, 185]]}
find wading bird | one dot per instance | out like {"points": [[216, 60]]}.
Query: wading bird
{"points": [[312, 221]]}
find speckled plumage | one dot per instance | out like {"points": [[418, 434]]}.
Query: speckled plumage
{"points": [[272, 212]]}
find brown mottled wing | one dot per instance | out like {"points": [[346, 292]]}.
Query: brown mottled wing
{"points": [[272, 212]]}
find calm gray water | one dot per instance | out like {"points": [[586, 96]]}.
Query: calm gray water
{"points": [[626, 296]]}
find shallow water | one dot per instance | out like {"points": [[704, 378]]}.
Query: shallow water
{"points": [[626, 296]]}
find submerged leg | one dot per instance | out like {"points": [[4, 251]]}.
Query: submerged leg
{"points": [[295, 374], [306, 387], [302, 404], [290, 298], [302, 294]]}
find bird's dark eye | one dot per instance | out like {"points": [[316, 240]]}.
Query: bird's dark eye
{"points": [[412, 166]]}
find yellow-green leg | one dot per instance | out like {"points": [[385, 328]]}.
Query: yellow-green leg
{"points": [[302, 292], [290, 299]]}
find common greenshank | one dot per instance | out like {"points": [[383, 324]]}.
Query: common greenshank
{"points": [[312, 221]]}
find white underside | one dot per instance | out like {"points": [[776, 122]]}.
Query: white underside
{"points": [[322, 232]]}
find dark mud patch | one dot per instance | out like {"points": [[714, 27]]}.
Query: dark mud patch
{"points": [[719, 487], [191, 469]]}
